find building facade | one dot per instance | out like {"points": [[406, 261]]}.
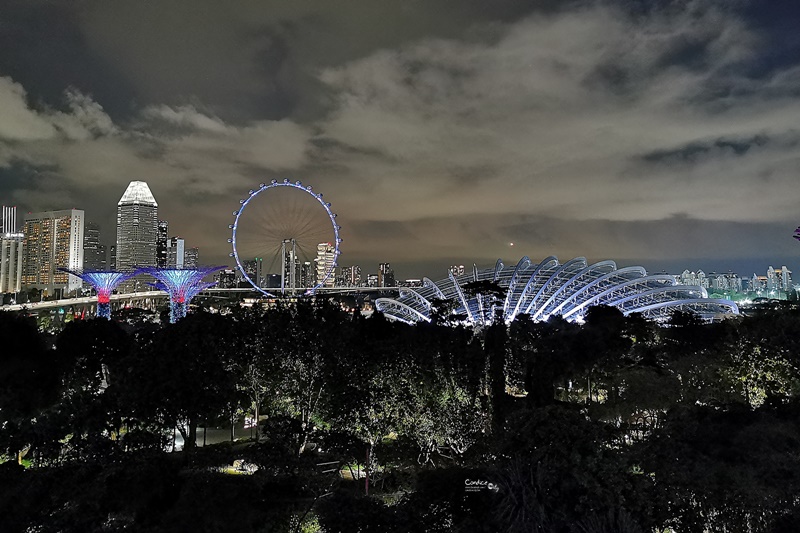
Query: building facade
{"points": [[326, 263], [191, 258], [350, 276], [137, 227], [176, 252], [385, 276], [161, 243], [95, 255], [11, 252], [53, 240]]}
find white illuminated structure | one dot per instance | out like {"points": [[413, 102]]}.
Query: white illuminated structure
{"points": [[11, 252], [551, 288], [326, 262], [137, 227]]}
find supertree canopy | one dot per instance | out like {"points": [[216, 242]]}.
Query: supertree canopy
{"points": [[104, 282], [797, 234], [551, 288], [182, 284]]}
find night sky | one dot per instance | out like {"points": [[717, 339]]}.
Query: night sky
{"points": [[664, 134]]}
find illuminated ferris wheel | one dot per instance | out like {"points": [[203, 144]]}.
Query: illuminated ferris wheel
{"points": [[285, 239]]}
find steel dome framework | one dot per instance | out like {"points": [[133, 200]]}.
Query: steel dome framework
{"points": [[552, 288]]}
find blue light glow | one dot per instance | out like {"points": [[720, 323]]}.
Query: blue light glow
{"points": [[182, 284], [550, 288], [104, 282]]}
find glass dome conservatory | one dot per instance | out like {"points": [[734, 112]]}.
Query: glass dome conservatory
{"points": [[552, 288]]}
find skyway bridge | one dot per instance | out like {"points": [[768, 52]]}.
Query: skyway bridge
{"points": [[154, 299]]}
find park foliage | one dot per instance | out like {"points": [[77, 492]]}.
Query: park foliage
{"points": [[613, 425]]}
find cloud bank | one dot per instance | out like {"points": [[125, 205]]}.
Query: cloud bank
{"points": [[584, 129]]}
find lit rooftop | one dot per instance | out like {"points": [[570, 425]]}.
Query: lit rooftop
{"points": [[138, 193]]}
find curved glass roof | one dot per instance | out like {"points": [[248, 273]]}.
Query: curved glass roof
{"points": [[552, 288]]}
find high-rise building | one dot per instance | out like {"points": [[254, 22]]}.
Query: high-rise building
{"points": [[191, 258], [94, 252], [11, 252], [307, 275], [350, 276], [326, 261], [773, 281], [53, 240], [785, 276], [161, 243], [725, 282], [137, 227], [254, 269], [112, 257], [225, 279], [176, 252], [697, 279], [289, 264], [9, 221], [385, 275]]}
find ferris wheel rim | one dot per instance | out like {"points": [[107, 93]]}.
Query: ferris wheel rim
{"points": [[316, 196]]}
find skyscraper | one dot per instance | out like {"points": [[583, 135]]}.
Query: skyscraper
{"points": [[254, 269], [175, 252], [307, 274], [385, 275], [137, 227], [191, 258], [53, 240], [94, 253], [289, 265], [326, 261], [161, 243], [351, 276], [11, 252], [9, 221]]}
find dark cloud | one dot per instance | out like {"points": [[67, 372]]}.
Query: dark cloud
{"points": [[694, 152], [18, 178], [44, 49]]}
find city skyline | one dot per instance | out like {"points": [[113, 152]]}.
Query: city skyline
{"points": [[443, 132]]}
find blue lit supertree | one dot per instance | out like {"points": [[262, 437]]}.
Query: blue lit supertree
{"points": [[104, 282], [797, 234], [182, 284]]}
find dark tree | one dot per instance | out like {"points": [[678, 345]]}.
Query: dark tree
{"points": [[29, 381]]}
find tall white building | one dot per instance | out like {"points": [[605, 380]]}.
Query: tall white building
{"points": [[785, 278], [11, 252], [326, 261], [53, 240], [137, 227]]}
